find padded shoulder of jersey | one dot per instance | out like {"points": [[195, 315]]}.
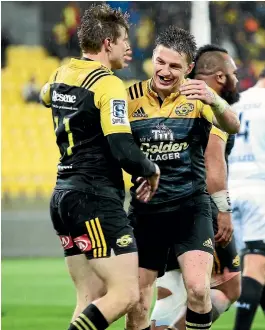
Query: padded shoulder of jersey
{"points": [[137, 90], [108, 83]]}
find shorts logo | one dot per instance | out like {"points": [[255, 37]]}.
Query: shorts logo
{"points": [[184, 109], [67, 242], [119, 113], [124, 241], [208, 243], [83, 243], [236, 261]]}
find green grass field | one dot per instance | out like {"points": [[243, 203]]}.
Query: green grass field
{"points": [[37, 294]]}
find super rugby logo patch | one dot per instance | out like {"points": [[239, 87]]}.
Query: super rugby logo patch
{"points": [[119, 112], [184, 109]]}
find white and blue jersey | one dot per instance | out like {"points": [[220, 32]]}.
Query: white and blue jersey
{"points": [[247, 159], [247, 168]]}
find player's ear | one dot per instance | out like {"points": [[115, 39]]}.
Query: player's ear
{"points": [[220, 77], [190, 68], [107, 44]]}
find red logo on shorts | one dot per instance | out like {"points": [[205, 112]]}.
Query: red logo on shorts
{"points": [[66, 241], [83, 243]]}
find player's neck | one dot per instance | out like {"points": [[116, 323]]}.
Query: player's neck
{"points": [[99, 57]]}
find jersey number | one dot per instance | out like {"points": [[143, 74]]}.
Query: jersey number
{"points": [[68, 131], [245, 127]]}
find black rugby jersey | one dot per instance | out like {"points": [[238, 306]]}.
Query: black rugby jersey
{"points": [[174, 135], [89, 105]]}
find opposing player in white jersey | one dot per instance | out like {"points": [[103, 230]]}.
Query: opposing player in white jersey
{"points": [[247, 189], [217, 69]]}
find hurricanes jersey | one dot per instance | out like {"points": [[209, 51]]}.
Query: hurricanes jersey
{"points": [[174, 135], [247, 160], [88, 102]]}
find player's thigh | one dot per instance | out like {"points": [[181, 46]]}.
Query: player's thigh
{"points": [[88, 285], [254, 260], [195, 250], [248, 205], [100, 229], [152, 237], [99, 226], [230, 286], [226, 264], [60, 226]]}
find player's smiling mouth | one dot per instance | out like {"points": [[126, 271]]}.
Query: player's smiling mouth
{"points": [[165, 81]]}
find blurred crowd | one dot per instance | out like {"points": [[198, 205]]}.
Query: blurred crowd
{"points": [[239, 26]]}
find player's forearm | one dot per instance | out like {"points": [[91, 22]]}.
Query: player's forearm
{"points": [[217, 186], [130, 157], [226, 118], [216, 177]]}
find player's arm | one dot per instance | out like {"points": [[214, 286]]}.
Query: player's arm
{"points": [[216, 178], [45, 93], [111, 99], [224, 117]]}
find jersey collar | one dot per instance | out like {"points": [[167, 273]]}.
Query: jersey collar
{"points": [[154, 94]]}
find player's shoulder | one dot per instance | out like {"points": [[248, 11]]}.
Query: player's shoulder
{"points": [[252, 98], [137, 90], [106, 80], [136, 97]]}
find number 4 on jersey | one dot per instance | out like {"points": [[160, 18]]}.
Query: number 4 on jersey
{"points": [[245, 127]]}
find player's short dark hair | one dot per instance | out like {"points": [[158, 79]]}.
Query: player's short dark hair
{"points": [[179, 40], [208, 59], [98, 23], [262, 74]]}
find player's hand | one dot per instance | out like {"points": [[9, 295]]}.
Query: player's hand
{"points": [[198, 90], [148, 186], [143, 192], [225, 229], [127, 58]]}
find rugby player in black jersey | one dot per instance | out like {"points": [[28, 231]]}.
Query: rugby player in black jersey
{"points": [[171, 119], [89, 109], [214, 66]]}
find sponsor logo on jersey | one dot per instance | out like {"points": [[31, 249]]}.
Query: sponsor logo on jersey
{"points": [[163, 150], [184, 109], [140, 113], [83, 243], [208, 243], [67, 242], [119, 112], [124, 241], [162, 133], [67, 98]]}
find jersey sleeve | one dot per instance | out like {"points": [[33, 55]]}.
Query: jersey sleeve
{"points": [[45, 94], [216, 131], [111, 99], [207, 112]]}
